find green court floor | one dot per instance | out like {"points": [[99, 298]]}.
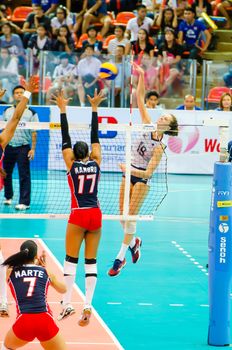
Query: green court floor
{"points": [[161, 302]]}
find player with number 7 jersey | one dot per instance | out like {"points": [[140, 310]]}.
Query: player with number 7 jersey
{"points": [[29, 280], [85, 220]]}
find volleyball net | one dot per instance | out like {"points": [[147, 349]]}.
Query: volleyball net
{"points": [[50, 194]]}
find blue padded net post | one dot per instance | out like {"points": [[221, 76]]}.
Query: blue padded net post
{"points": [[220, 256]]}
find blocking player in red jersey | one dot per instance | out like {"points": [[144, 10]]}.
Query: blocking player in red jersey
{"points": [[29, 281], [85, 220], [5, 137]]}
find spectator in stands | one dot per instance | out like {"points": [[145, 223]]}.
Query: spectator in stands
{"points": [[48, 6], [96, 12], [64, 76], [227, 77], [139, 22], [119, 39], [62, 18], [39, 42], [167, 17], [33, 20], [92, 40], [121, 82], [64, 41], [152, 99], [222, 7], [11, 41], [189, 34], [143, 44], [189, 104], [169, 55], [87, 72], [9, 75], [20, 150], [225, 103]]}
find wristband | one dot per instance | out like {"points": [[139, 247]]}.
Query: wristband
{"points": [[27, 94]]}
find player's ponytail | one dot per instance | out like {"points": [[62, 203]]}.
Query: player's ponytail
{"points": [[28, 252], [174, 127]]}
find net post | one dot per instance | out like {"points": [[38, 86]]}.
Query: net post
{"points": [[220, 247]]}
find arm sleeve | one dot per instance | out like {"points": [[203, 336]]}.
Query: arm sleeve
{"points": [[94, 128], [66, 140]]}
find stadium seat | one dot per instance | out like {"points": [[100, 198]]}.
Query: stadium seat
{"points": [[122, 18], [20, 13], [107, 40], [215, 93]]}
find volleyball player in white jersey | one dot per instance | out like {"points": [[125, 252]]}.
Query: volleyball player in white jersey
{"points": [[5, 137], [146, 155]]}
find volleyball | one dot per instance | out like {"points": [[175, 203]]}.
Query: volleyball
{"points": [[108, 71]]}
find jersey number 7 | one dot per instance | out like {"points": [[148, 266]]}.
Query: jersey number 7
{"points": [[32, 283]]}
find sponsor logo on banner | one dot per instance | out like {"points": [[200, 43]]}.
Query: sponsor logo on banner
{"points": [[223, 227], [107, 134], [54, 125], [223, 193], [224, 204], [21, 124], [222, 250], [187, 139], [223, 217], [212, 145]]}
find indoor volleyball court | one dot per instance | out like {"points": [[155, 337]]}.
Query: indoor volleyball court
{"points": [[162, 301]]}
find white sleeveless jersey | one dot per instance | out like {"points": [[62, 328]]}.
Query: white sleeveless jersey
{"points": [[142, 150]]}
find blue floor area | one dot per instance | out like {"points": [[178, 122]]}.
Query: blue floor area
{"points": [[161, 302]]}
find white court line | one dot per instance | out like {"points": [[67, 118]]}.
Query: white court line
{"points": [[145, 304], [100, 320], [190, 258], [113, 303], [182, 219], [176, 305]]}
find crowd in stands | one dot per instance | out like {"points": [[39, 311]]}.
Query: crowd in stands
{"points": [[80, 34]]}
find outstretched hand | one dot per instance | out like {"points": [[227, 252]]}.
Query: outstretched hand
{"points": [[32, 84], [96, 99], [60, 100]]}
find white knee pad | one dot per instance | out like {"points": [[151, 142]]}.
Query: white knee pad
{"points": [[130, 227], [4, 348]]}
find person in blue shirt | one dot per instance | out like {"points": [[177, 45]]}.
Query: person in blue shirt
{"points": [[189, 34], [48, 6], [189, 104]]}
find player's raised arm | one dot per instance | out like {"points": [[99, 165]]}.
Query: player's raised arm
{"points": [[96, 147], [9, 130], [140, 93], [67, 151]]}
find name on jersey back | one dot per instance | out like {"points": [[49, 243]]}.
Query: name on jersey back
{"points": [[29, 273], [81, 169]]}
